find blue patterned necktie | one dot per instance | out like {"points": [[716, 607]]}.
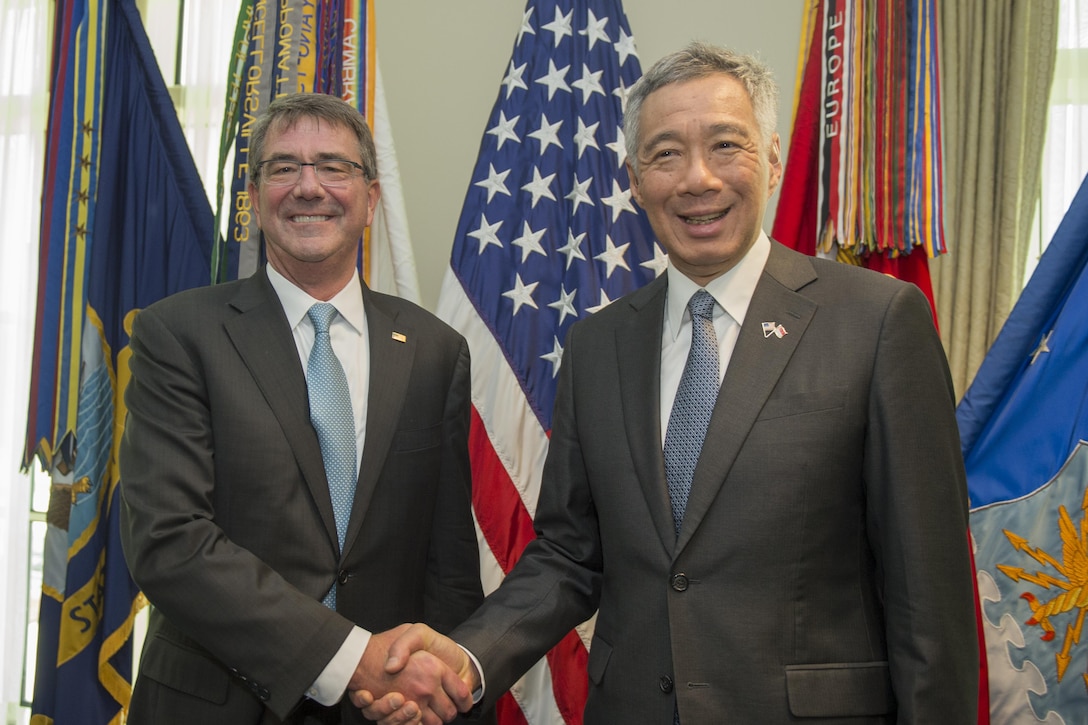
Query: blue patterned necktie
{"points": [[693, 405], [331, 414]]}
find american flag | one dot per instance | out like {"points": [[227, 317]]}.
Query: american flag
{"points": [[548, 234]]}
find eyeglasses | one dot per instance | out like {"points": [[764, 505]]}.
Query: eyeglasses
{"points": [[330, 172]]}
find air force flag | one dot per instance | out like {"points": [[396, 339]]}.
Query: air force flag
{"points": [[1024, 425]]}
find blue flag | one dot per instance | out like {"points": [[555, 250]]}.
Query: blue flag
{"points": [[1024, 427], [125, 222]]}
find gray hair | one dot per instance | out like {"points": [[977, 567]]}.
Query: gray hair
{"points": [[285, 111], [699, 60]]}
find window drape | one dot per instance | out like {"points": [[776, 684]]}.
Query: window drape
{"points": [[1065, 156], [25, 26], [997, 62]]}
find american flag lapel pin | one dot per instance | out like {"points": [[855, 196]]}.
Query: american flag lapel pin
{"points": [[400, 337], [773, 328]]}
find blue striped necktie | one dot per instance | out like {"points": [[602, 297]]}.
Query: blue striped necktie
{"points": [[693, 405], [332, 417]]}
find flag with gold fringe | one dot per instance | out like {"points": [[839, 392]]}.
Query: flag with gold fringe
{"points": [[863, 175], [124, 222], [303, 46]]}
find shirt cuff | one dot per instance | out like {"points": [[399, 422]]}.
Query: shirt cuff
{"points": [[330, 685], [478, 694]]}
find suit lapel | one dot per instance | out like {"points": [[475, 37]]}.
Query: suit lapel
{"points": [[263, 340], [638, 344], [391, 361], [755, 367]]}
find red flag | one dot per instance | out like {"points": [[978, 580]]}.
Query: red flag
{"points": [[795, 219], [862, 173]]}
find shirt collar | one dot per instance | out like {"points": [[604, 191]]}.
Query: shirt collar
{"points": [[296, 303], [732, 291]]}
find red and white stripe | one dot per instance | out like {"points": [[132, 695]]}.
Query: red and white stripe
{"points": [[507, 446]]}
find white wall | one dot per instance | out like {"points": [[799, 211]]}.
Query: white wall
{"points": [[442, 61]]}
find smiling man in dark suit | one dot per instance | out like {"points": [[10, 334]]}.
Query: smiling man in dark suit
{"points": [[754, 474], [270, 592]]}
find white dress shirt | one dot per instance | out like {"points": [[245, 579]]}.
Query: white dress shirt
{"points": [[732, 293]]}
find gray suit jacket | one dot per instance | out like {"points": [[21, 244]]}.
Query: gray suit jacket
{"points": [[227, 523], [822, 568]]}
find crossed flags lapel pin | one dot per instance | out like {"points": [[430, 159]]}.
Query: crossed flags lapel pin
{"points": [[773, 328]]}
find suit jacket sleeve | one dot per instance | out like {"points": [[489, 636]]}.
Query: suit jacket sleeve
{"points": [[917, 520], [453, 578]]}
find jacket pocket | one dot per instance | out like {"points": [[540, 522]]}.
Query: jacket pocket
{"points": [[185, 669], [419, 439], [597, 662], [846, 689], [812, 401]]}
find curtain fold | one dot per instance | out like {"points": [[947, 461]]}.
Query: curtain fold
{"points": [[996, 72], [24, 69], [207, 30], [1065, 157]]}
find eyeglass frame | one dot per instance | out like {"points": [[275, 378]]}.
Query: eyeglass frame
{"points": [[314, 164]]}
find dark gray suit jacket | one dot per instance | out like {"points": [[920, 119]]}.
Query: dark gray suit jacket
{"points": [[227, 522], [822, 569]]}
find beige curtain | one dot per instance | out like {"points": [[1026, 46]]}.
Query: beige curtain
{"points": [[198, 83], [997, 64], [24, 99], [1065, 157]]}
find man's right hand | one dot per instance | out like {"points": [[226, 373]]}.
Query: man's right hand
{"points": [[397, 707], [427, 670]]}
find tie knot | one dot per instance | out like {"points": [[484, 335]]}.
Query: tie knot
{"points": [[701, 304], [321, 315]]}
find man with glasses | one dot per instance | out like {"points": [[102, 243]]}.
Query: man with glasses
{"points": [[296, 475]]}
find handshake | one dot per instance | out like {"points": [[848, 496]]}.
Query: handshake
{"points": [[413, 674]]}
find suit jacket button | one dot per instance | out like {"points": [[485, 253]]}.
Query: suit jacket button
{"points": [[680, 582], [342, 577], [263, 694], [666, 684]]}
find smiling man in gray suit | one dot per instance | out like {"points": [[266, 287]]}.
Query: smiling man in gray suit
{"points": [[811, 564], [269, 592]]}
